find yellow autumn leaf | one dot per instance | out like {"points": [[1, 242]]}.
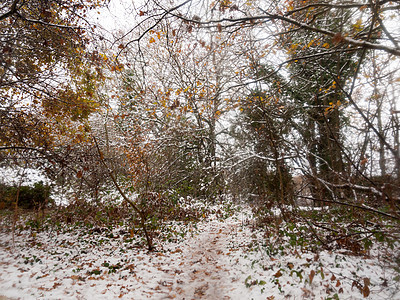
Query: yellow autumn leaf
{"points": [[152, 40], [358, 25], [326, 45]]}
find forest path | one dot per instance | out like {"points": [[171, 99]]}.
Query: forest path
{"points": [[206, 260], [218, 259], [204, 268]]}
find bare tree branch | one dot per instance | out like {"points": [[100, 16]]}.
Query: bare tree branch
{"points": [[363, 207], [12, 10], [285, 18]]}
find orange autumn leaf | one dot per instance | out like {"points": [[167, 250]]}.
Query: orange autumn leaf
{"points": [[337, 38], [278, 274], [311, 276]]}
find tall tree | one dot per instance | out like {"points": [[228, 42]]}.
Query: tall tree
{"points": [[48, 72], [185, 80], [316, 86]]}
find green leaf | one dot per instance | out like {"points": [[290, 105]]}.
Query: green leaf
{"points": [[246, 282]]}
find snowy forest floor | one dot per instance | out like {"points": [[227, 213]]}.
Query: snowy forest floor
{"points": [[217, 258]]}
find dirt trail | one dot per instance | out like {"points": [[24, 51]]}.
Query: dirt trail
{"points": [[207, 264], [203, 272]]}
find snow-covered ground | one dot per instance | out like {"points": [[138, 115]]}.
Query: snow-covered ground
{"points": [[216, 259], [17, 176]]}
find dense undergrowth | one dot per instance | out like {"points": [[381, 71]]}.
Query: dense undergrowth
{"points": [[166, 220], [310, 229], [329, 228]]}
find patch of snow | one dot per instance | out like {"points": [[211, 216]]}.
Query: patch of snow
{"points": [[15, 176], [217, 259]]}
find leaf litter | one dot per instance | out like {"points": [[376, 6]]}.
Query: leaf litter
{"points": [[218, 258]]}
